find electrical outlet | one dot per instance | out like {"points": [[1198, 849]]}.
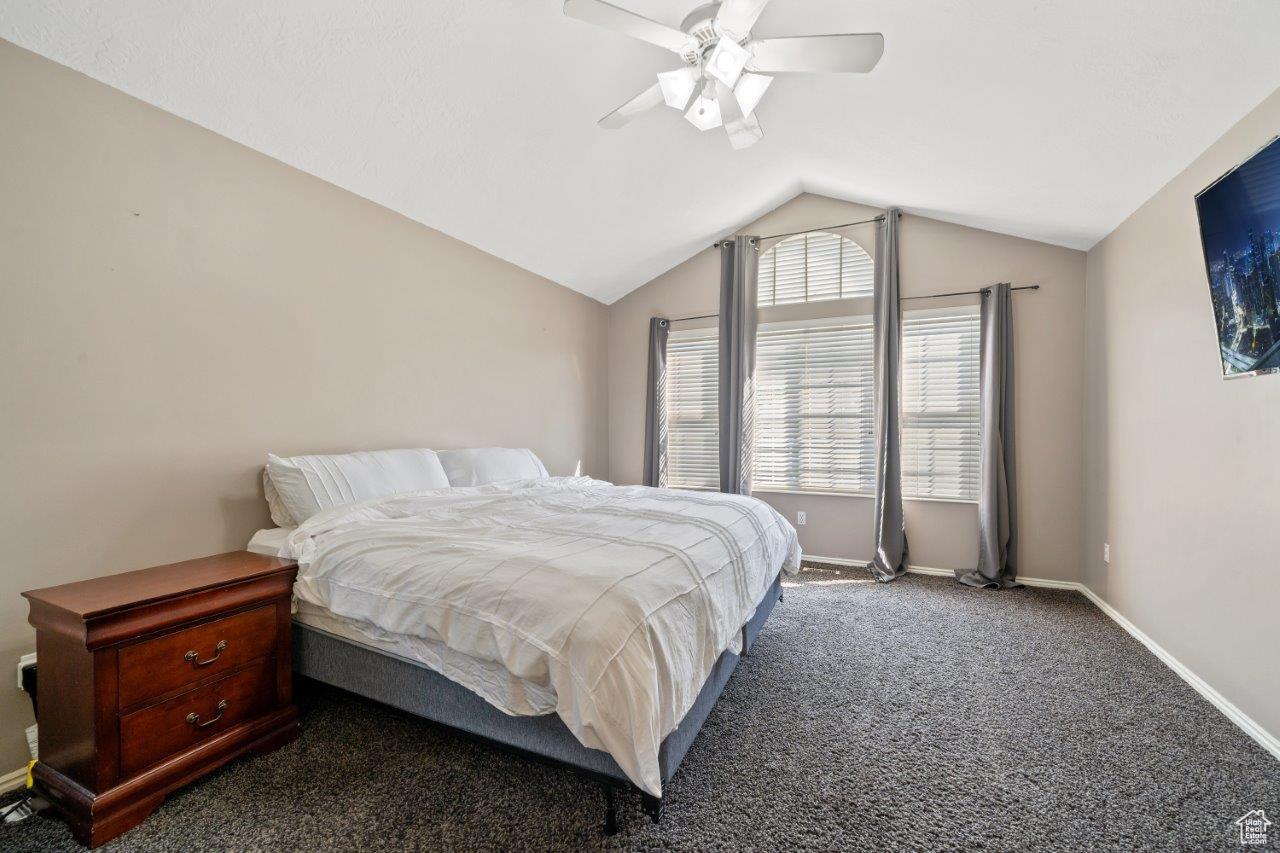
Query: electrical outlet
{"points": [[800, 518], [1106, 552], [24, 662]]}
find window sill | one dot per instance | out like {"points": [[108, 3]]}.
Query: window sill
{"points": [[864, 495], [813, 492], [817, 494]]}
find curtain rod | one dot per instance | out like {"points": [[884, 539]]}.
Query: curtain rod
{"points": [[879, 218], [965, 292], [901, 298]]}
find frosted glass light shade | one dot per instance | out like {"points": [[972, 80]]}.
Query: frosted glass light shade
{"points": [[677, 86], [749, 91], [705, 112], [727, 61]]}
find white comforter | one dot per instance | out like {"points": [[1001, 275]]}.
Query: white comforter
{"points": [[618, 598]]}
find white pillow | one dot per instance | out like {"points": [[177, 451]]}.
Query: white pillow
{"points": [[479, 466], [280, 516], [307, 485]]}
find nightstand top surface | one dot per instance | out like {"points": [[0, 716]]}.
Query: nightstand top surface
{"points": [[102, 596]]}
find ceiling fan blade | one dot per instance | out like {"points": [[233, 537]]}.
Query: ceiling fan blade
{"points": [[743, 130], [739, 16], [854, 52], [611, 17], [646, 100]]}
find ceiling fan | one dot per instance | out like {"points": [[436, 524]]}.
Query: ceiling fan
{"points": [[726, 70]]}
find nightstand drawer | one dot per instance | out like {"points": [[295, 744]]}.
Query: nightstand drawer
{"points": [[154, 733], [184, 657]]}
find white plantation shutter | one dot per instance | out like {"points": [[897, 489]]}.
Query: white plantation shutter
{"points": [[812, 268], [940, 400], [693, 426], [813, 407]]}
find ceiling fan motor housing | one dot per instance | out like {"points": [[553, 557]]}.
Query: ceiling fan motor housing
{"points": [[701, 24]]}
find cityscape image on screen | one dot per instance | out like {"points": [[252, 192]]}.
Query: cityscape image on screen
{"points": [[1240, 231]]}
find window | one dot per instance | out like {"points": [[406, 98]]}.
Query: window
{"points": [[813, 407], [814, 388], [693, 426], [812, 268], [940, 400]]}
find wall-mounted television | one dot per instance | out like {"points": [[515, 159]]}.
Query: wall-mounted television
{"points": [[1239, 218], [1240, 233]]}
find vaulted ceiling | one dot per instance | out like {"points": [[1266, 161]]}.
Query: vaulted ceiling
{"points": [[1049, 119]]}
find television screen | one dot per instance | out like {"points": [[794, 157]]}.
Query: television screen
{"points": [[1240, 232]]}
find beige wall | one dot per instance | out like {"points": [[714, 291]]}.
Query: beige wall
{"points": [[1182, 469], [935, 257], [173, 306]]}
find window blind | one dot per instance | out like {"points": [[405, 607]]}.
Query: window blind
{"points": [[692, 404], [940, 403], [812, 268], [813, 407]]}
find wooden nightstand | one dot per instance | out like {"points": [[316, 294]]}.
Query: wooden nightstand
{"points": [[150, 679]]}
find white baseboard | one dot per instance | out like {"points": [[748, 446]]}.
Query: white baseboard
{"points": [[1247, 724], [931, 571], [1047, 583], [835, 561], [1243, 721], [13, 781]]}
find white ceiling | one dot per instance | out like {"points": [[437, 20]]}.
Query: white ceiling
{"points": [[1050, 119]]}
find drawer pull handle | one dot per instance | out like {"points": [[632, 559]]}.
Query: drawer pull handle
{"points": [[194, 719], [217, 653]]}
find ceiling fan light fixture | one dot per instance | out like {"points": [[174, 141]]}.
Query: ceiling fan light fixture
{"points": [[704, 114], [727, 60], [749, 91], [728, 68], [678, 86]]}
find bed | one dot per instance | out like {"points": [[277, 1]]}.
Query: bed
{"points": [[579, 622]]}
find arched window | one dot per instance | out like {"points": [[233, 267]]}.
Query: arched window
{"points": [[814, 267]]}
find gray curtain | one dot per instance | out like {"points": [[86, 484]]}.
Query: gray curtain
{"points": [[890, 559], [997, 493], [655, 405], [738, 320]]}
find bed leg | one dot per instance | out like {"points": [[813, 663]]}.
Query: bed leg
{"points": [[610, 812], [652, 806]]}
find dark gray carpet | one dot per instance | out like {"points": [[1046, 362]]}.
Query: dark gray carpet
{"points": [[919, 715]]}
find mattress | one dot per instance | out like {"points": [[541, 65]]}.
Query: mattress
{"points": [[489, 679]]}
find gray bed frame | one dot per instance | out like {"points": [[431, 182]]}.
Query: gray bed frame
{"points": [[411, 686]]}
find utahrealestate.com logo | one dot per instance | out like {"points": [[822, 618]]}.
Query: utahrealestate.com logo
{"points": [[1253, 828]]}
